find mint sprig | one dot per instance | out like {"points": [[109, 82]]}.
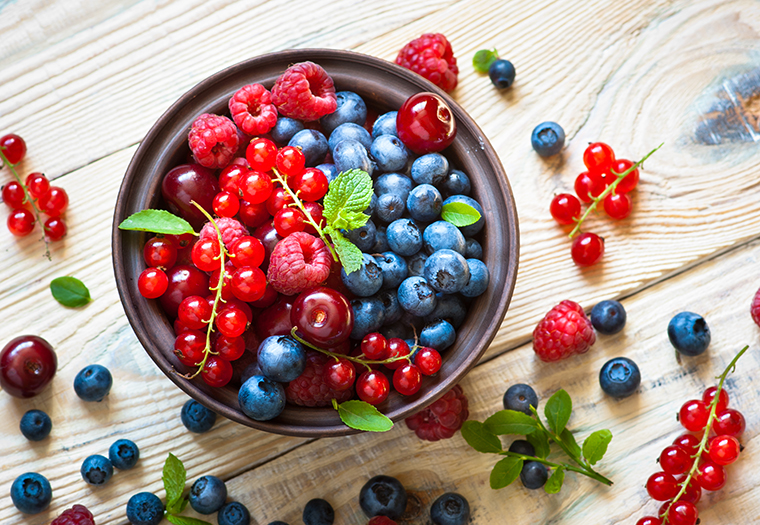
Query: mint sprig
{"points": [[156, 221], [362, 416], [483, 59], [484, 437], [174, 477], [69, 291], [460, 214]]}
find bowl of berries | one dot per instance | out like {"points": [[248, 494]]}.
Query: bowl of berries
{"points": [[311, 240]]}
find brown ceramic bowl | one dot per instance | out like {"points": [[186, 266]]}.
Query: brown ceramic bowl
{"points": [[384, 86]]}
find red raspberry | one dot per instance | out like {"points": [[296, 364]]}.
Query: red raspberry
{"points": [[231, 230], [431, 56], [76, 515], [252, 109], [754, 310], [564, 331], [298, 262], [304, 92], [443, 418], [309, 389], [213, 140], [381, 520]]}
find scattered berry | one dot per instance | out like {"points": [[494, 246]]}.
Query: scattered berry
{"points": [[123, 454], [450, 509], [564, 331], [520, 397], [145, 508], [619, 377], [196, 417], [31, 493], [93, 383], [76, 515], [689, 334], [442, 419], [608, 317], [27, 364], [587, 249], [13, 147], [565, 208], [96, 470], [548, 138], [383, 496], [502, 75], [305, 92], [533, 475], [207, 495], [233, 513], [318, 512], [431, 57], [213, 140], [35, 425]]}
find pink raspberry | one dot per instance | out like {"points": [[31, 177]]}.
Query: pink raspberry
{"points": [[252, 109], [564, 331], [231, 230], [304, 92], [431, 56], [381, 520], [309, 389], [213, 140], [443, 418], [298, 262], [76, 515], [754, 309]]}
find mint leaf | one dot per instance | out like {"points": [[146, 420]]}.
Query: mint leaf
{"points": [[554, 483], [69, 291], [568, 440], [505, 472], [540, 441], [480, 438], [355, 219], [184, 520], [511, 422], [349, 193], [363, 416], [350, 256], [595, 446], [460, 214], [174, 477], [483, 59], [557, 411], [156, 221]]}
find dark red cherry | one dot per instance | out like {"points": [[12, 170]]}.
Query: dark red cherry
{"points": [[27, 364], [275, 320], [190, 182], [425, 123], [184, 281], [323, 316]]}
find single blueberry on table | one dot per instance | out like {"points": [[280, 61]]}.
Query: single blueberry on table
{"points": [[349, 131], [619, 377], [456, 183], [608, 317], [390, 207], [385, 124], [318, 512], [502, 73], [472, 229], [365, 281], [424, 203], [31, 493], [389, 153], [233, 513], [35, 425], [383, 496], [285, 129], [207, 495], [534, 475], [96, 470], [93, 383], [196, 417], [450, 509], [145, 508], [369, 316], [520, 446], [416, 296], [123, 454], [350, 155], [313, 145], [442, 234], [416, 264], [438, 334], [395, 183], [547, 139], [479, 278], [363, 236], [404, 237], [689, 334], [281, 358], [351, 108], [520, 397], [430, 168], [447, 271], [261, 398], [393, 267], [392, 311], [472, 249], [450, 308]]}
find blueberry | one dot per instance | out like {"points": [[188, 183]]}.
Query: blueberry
{"points": [[449, 308], [349, 131], [431, 168], [261, 398], [472, 229], [369, 316], [447, 271], [233, 513], [442, 234], [456, 183], [399, 330], [619, 377], [472, 249], [450, 509], [36, 425], [364, 236], [392, 311], [547, 139], [439, 335], [207, 495], [479, 278], [416, 296], [349, 155], [393, 267], [381, 240], [329, 170], [196, 417], [502, 73], [688, 333], [365, 281], [313, 145], [351, 108], [424, 203], [318, 512], [278, 523], [520, 397], [416, 264], [608, 317], [123, 454], [383, 496], [372, 206], [93, 383], [285, 129], [31, 493], [390, 207], [520, 446], [404, 237], [533, 475], [394, 183], [96, 470], [385, 124], [145, 508], [389, 153], [251, 370], [281, 358]]}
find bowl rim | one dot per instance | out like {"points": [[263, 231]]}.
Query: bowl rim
{"points": [[289, 57]]}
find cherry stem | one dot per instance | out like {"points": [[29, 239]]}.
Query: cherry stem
{"points": [[609, 189], [580, 470], [705, 438], [28, 198]]}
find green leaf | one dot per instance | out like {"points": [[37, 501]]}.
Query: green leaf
{"points": [[595, 446], [460, 214], [174, 477], [505, 472], [350, 256], [156, 221], [363, 416], [349, 193], [557, 411], [69, 291], [568, 440], [480, 438], [511, 422], [483, 60], [540, 441], [554, 483], [185, 520], [354, 219]]}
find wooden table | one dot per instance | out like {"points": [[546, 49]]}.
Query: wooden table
{"points": [[82, 82]]}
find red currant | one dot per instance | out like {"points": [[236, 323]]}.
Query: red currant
{"points": [[261, 154], [206, 254], [317, 215], [397, 348], [724, 449], [213, 282], [13, 195], [248, 283], [290, 161], [372, 387], [693, 415], [693, 492], [55, 228], [709, 396], [226, 204], [618, 205], [587, 249], [278, 200], [160, 252], [288, 220], [630, 181], [247, 251], [311, 184], [180, 327], [37, 184], [190, 347], [230, 178], [689, 442], [428, 360], [407, 379], [710, 475], [425, 123], [374, 346], [13, 147], [231, 321], [589, 185], [598, 157], [20, 222], [340, 374], [229, 348], [54, 202], [152, 283], [216, 372], [565, 208], [256, 187], [237, 303], [681, 513], [662, 486], [649, 520], [674, 460], [730, 422], [253, 215], [194, 311]]}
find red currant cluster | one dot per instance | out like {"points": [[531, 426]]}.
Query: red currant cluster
{"points": [[694, 463], [31, 199]]}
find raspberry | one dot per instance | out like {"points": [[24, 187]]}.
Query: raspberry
{"points": [[252, 109], [431, 56], [213, 140], [564, 331], [443, 418], [381, 520], [309, 389], [754, 309], [304, 92], [231, 230], [298, 262], [76, 515]]}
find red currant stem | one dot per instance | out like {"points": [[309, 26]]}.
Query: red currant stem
{"points": [[591, 474], [609, 189], [28, 199], [282, 180], [359, 360], [705, 438]]}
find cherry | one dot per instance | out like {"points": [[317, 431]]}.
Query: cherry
{"points": [[662, 486], [37, 184], [290, 161], [709, 396], [55, 228], [13, 147], [13, 195], [372, 387], [184, 280], [268, 299], [689, 442], [152, 283], [229, 348], [231, 321], [724, 450], [565, 208], [311, 184], [261, 154], [428, 360], [588, 185], [323, 316], [710, 475], [630, 181], [186, 183], [206, 254], [190, 346], [649, 520], [194, 312], [278, 199], [226, 204], [247, 251], [317, 215], [275, 320], [730, 422], [27, 364], [256, 187], [407, 379], [397, 348], [618, 205], [374, 346], [693, 415], [230, 178], [54, 202], [248, 283], [674, 460], [160, 252], [681, 513], [339, 374], [425, 123], [288, 220], [587, 249], [598, 157], [20, 222], [253, 215], [216, 372], [186, 240]]}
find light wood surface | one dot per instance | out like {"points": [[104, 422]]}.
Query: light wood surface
{"points": [[82, 82]]}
